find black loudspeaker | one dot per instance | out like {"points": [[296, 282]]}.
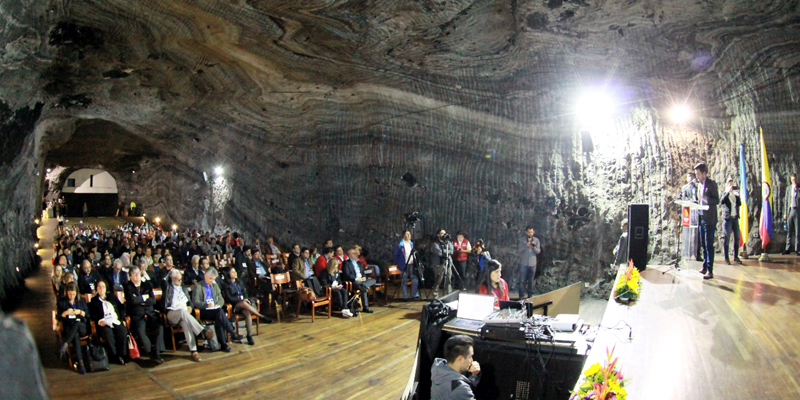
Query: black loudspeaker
{"points": [[638, 228]]}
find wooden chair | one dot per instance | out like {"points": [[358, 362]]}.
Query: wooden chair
{"points": [[281, 291], [374, 289], [393, 274], [274, 260], [318, 302], [120, 295], [173, 330]]}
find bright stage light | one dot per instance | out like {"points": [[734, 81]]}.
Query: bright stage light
{"points": [[594, 107], [174, 227], [158, 220], [218, 170], [680, 113]]}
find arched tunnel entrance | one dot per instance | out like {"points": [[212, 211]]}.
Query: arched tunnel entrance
{"points": [[90, 193]]}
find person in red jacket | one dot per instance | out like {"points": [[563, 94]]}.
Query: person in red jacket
{"points": [[322, 261], [461, 251], [492, 279]]}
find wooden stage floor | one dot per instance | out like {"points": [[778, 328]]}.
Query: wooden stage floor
{"points": [[733, 337]]}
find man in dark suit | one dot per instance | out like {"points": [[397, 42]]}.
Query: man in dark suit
{"points": [[707, 195], [87, 277], [792, 217], [140, 300], [353, 272], [117, 278]]}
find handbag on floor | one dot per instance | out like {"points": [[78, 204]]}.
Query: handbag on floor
{"points": [[133, 348], [96, 358]]}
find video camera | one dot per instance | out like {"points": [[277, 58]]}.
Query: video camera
{"points": [[412, 217]]}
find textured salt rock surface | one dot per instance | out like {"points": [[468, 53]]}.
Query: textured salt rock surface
{"points": [[333, 119]]}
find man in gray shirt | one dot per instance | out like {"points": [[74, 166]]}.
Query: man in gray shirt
{"points": [[528, 248]]}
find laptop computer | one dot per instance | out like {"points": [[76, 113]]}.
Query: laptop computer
{"points": [[472, 309]]}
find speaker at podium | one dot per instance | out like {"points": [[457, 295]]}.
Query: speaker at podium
{"points": [[638, 228]]}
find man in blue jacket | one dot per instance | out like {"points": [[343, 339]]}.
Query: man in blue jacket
{"points": [[406, 263]]}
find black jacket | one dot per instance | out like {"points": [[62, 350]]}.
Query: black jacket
{"points": [[123, 278], [137, 305], [326, 279], [230, 292], [64, 304], [710, 197], [730, 205], [87, 283], [96, 308], [349, 270]]}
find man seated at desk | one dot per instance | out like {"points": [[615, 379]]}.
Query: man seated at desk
{"points": [[448, 374]]}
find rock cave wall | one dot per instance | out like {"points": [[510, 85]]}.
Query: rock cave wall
{"points": [[334, 119]]}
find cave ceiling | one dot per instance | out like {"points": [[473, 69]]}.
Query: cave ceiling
{"points": [[210, 77]]}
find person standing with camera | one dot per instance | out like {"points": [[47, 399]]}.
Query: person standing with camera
{"points": [[440, 253], [462, 248], [730, 215], [528, 249]]}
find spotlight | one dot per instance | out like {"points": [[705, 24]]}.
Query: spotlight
{"points": [[594, 107], [36, 221], [133, 172], [680, 113], [80, 222], [158, 220], [218, 170], [174, 227], [144, 215]]}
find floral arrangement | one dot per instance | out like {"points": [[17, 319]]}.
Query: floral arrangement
{"points": [[628, 285], [602, 383]]}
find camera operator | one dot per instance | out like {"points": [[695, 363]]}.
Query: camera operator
{"points": [[730, 215], [441, 251], [407, 262]]}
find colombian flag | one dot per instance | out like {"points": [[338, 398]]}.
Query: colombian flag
{"points": [[765, 227], [744, 216]]}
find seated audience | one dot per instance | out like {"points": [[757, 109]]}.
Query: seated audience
{"points": [[301, 268], [353, 272], [207, 297], [493, 283], [331, 277], [140, 302], [234, 292], [260, 270], [295, 254], [108, 315], [179, 312], [117, 278], [193, 273], [322, 261], [72, 312], [87, 280]]}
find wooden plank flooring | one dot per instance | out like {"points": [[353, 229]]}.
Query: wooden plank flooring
{"points": [[365, 357], [734, 337]]}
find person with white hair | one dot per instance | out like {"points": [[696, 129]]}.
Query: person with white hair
{"points": [[207, 297], [178, 308], [194, 273]]}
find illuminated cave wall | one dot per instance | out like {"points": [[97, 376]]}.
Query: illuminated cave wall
{"points": [[332, 120]]}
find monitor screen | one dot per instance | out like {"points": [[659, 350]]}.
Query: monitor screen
{"points": [[474, 306]]}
